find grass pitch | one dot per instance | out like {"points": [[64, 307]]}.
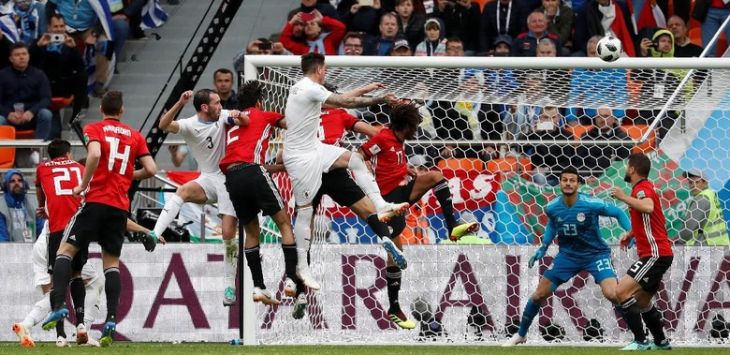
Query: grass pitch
{"points": [[218, 349]]}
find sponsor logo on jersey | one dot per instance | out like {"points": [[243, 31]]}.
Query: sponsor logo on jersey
{"points": [[581, 217], [374, 149], [641, 194]]}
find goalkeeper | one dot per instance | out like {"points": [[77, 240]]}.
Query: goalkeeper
{"points": [[573, 218]]}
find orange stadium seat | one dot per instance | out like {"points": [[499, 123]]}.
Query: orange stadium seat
{"points": [[7, 155], [25, 134], [510, 164], [635, 132], [60, 102], [461, 164], [578, 131]]}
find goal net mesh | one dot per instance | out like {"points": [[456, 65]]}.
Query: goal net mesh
{"points": [[499, 136]]}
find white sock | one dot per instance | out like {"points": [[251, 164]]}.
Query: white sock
{"points": [[365, 180], [303, 234], [169, 212], [39, 312], [91, 301], [230, 261]]}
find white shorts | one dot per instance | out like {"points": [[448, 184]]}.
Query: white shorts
{"points": [[40, 262], [305, 170], [214, 186]]}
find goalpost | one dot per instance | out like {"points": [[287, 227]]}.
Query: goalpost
{"points": [[499, 129]]}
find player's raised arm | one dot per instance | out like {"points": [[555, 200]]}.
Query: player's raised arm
{"points": [[615, 212], [93, 154], [360, 101], [366, 128], [363, 90], [643, 205], [167, 121]]}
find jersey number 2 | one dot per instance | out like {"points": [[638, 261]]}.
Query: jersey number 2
{"points": [[65, 176], [115, 154]]}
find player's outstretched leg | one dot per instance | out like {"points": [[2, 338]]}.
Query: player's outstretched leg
{"points": [[395, 314], [39, 311], [23, 333], [654, 321], [544, 289], [168, 214], [303, 233], [366, 181], [434, 180]]}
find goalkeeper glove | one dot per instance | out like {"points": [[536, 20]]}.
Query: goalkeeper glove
{"points": [[539, 254], [149, 240]]}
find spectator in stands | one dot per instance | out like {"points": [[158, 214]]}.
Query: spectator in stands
{"points": [[360, 18], [703, 223], [353, 43], [30, 19], [122, 12], [401, 49], [584, 90], [61, 63], [410, 24], [560, 21], [599, 17], [461, 18], [25, 94], [322, 34], [711, 13], [223, 80], [323, 7], [18, 221], [259, 46], [525, 44], [434, 44], [661, 45], [501, 17], [388, 31], [180, 154], [546, 48], [683, 47], [549, 158], [592, 160], [502, 46]]}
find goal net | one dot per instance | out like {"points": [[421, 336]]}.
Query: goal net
{"points": [[500, 129]]}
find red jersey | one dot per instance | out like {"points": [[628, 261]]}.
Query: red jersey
{"points": [[248, 144], [121, 145], [649, 231], [57, 178], [389, 160], [334, 125]]}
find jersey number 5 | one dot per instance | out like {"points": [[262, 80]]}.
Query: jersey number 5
{"points": [[115, 154], [65, 176]]}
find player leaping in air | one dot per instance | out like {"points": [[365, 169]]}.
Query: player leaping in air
{"points": [[573, 218], [306, 158]]}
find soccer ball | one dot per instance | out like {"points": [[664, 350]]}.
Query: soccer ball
{"points": [[609, 48]]}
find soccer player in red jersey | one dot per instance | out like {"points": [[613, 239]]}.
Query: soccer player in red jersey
{"points": [[113, 147], [388, 155], [636, 290]]}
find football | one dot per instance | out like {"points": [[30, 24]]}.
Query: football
{"points": [[609, 48]]}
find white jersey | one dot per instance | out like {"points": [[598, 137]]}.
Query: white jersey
{"points": [[205, 141], [303, 110]]}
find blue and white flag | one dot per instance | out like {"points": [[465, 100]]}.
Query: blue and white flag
{"points": [[153, 15], [8, 28], [104, 13]]}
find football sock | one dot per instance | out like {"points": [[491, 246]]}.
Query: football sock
{"points": [[169, 212], [633, 320], [380, 228], [230, 262], [39, 312], [443, 195], [290, 260], [91, 303], [655, 323], [61, 276], [253, 259], [531, 309], [393, 277], [365, 180], [113, 287], [303, 234], [78, 295], [60, 330]]}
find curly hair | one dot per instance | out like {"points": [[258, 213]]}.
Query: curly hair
{"points": [[250, 93], [404, 116]]}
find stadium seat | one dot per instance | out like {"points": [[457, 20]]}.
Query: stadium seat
{"points": [[7, 155], [461, 164], [60, 102], [25, 134], [511, 164], [579, 130], [635, 132]]}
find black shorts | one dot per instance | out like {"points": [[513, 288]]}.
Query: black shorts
{"points": [[399, 195], [338, 185], [648, 271], [97, 222], [252, 190], [54, 241]]}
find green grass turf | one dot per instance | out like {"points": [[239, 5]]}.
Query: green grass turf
{"points": [[217, 348]]}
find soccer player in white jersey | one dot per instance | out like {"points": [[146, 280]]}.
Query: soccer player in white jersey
{"points": [[306, 158], [204, 134]]}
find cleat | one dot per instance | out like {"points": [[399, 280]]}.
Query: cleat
{"points": [[395, 253], [54, 317], [665, 345], [149, 241], [92, 342], [306, 277], [82, 337], [61, 342], [290, 288], [229, 296], [390, 210], [637, 346], [400, 319], [24, 335], [264, 296], [107, 333], [300, 307], [462, 230], [515, 340]]}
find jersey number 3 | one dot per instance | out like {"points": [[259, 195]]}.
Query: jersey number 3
{"points": [[65, 176]]}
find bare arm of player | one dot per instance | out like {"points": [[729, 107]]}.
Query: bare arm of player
{"points": [[360, 101], [136, 228], [41, 196], [644, 205], [363, 90], [282, 123], [167, 121], [366, 129], [149, 168], [93, 154], [238, 118]]}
